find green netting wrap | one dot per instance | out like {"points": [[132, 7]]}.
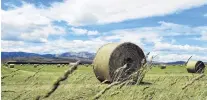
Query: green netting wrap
{"points": [[195, 67], [115, 55]]}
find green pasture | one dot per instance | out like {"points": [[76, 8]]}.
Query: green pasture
{"points": [[26, 83]]}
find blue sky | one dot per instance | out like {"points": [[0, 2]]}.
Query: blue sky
{"points": [[174, 30]]}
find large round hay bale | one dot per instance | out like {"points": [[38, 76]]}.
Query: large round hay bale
{"points": [[11, 65], [115, 55], [195, 67]]}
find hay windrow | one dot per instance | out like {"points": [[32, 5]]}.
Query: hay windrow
{"points": [[192, 81], [59, 80], [33, 75], [11, 74], [97, 96]]}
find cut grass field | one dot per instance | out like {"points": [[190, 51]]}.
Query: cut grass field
{"points": [[26, 83]]}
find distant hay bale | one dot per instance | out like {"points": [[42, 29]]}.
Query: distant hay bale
{"points": [[36, 65], [112, 58], [11, 65], [86, 65], [195, 67], [162, 66], [58, 65]]}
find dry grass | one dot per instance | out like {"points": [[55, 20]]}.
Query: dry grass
{"points": [[156, 85], [59, 80]]}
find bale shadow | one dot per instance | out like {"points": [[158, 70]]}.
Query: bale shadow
{"points": [[145, 83]]}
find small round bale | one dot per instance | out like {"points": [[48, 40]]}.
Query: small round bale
{"points": [[195, 67], [162, 66], [11, 65], [58, 65], [86, 65], [36, 65], [113, 56]]}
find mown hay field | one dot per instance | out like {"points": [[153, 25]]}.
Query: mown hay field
{"points": [[26, 83]]}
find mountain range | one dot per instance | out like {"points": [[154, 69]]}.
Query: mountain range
{"points": [[86, 55]]}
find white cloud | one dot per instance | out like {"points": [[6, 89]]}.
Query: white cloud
{"points": [[203, 35], [30, 20], [202, 31], [56, 46], [93, 32], [205, 15], [28, 23], [82, 12], [155, 34], [42, 34], [33, 33], [165, 29], [134, 36], [173, 48], [80, 31], [178, 57], [25, 16]]}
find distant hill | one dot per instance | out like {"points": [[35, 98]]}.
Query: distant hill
{"points": [[176, 63], [48, 58], [9, 55], [170, 63], [78, 55]]}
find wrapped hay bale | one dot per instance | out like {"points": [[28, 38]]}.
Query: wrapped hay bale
{"points": [[11, 65], [195, 67], [113, 56]]}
